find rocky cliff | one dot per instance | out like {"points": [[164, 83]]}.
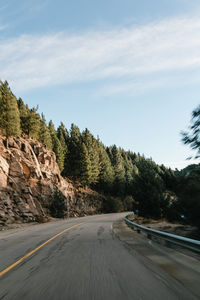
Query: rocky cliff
{"points": [[28, 175]]}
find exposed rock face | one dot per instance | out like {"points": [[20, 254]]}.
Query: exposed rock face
{"points": [[28, 175]]}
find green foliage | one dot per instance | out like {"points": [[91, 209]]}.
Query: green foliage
{"points": [[148, 190], [106, 172], [92, 149], [44, 133], [63, 137], [33, 120], [9, 113], [128, 203], [23, 112], [192, 137], [119, 170], [74, 150], [85, 166], [130, 180], [58, 207], [57, 147], [113, 205], [30, 120], [188, 187], [169, 177], [188, 193], [130, 171]]}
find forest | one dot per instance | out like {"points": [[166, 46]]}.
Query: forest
{"points": [[129, 180]]}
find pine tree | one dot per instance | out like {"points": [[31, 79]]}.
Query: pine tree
{"points": [[57, 147], [44, 134], [74, 150], [135, 171], [23, 111], [192, 138], [63, 137], [148, 189], [9, 113], [85, 166], [118, 165], [2, 110], [106, 172], [33, 123], [129, 172], [91, 146], [58, 207], [30, 120], [63, 134]]}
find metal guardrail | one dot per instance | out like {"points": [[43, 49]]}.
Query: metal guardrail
{"points": [[191, 244]]}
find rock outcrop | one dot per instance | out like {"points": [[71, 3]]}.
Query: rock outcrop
{"points": [[28, 175]]}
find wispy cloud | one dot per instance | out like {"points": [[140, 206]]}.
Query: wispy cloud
{"points": [[122, 54], [2, 27]]}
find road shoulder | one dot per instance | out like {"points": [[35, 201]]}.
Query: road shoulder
{"points": [[182, 267]]}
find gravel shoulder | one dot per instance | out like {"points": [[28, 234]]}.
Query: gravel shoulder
{"points": [[188, 231], [184, 266]]}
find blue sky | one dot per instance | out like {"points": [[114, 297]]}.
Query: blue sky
{"points": [[127, 70]]}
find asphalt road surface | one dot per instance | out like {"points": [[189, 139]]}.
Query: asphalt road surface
{"points": [[87, 261]]}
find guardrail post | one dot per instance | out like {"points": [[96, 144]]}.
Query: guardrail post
{"points": [[138, 230]]}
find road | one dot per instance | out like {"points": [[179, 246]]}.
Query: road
{"points": [[86, 262]]}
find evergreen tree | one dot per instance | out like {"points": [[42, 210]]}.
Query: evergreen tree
{"points": [[106, 172], [63, 137], [33, 123], [24, 112], [192, 137], [111, 170], [9, 113], [148, 190], [2, 110], [29, 119], [74, 149], [135, 172], [169, 178], [85, 166], [58, 206], [129, 173], [44, 134], [187, 190], [57, 147], [91, 146], [118, 165]]}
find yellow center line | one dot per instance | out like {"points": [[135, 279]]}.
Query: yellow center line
{"points": [[35, 250]]}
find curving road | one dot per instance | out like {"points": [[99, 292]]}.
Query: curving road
{"points": [[84, 262]]}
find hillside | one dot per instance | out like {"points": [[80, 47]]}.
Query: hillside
{"points": [[28, 176], [32, 165]]}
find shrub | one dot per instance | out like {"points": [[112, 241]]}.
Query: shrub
{"points": [[112, 205], [58, 206]]}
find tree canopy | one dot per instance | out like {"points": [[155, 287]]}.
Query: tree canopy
{"points": [[192, 136], [131, 180]]}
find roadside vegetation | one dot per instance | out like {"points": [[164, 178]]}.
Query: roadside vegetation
{"points": [[58, 206], [129, 180]]}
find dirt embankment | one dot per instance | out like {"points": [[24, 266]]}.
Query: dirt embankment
{"points": [[166, 226]]}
